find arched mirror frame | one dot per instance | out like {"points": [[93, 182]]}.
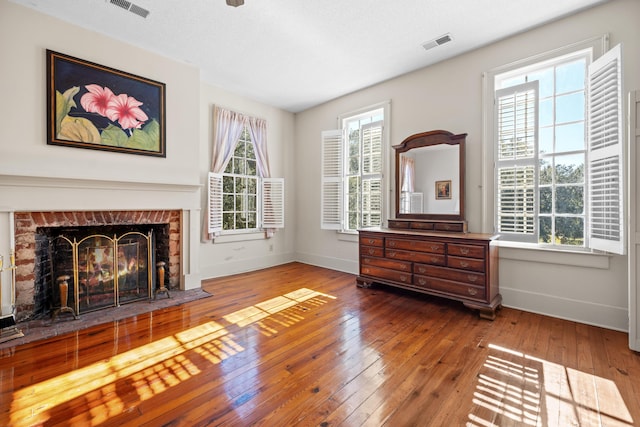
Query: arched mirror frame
{"points": [[428, 139]]}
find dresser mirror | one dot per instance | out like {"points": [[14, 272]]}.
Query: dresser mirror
{"points": [[430, 174]]}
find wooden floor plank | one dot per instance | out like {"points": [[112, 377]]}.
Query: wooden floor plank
{"points": [[302, 345]]}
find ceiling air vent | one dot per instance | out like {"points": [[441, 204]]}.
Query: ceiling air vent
{"points": [[437, 42], [133, 8]]}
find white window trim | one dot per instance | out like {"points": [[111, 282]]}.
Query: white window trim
{"points": [[532, 252], [258, 228], [598, 46], [240, 237], [243, 234], [387, 191]]}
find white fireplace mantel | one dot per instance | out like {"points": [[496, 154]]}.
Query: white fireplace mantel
{"points": [[31, 193]]}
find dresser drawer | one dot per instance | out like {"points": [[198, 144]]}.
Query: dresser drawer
{"points": [[371, 241], [451, 287], [386, 263], [422, 225], [469, 277], [469, 251], [472, 264], [383, 273], [371, 251], [447, 226], [398, 224], [423, 257], [416, 245]]}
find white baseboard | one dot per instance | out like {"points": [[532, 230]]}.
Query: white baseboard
{"points": [[344, 265], [590, 313]]}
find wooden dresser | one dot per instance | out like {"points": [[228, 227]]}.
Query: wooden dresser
{"points": [[459, 266]]}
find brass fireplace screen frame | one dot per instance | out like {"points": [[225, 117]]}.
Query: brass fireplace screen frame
{"points": [[100, 262]]}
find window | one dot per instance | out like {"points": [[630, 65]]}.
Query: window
{"points": [[240, 188], [550, 187], [352, 171], [242, 198]]}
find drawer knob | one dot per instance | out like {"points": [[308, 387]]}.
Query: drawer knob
{"points": [[422, 281], [435, 247], [371, 251], [403, 278], [421, 269], [464, 251], [434, 259], [371, 241], [392, 243], [391, 254], [472, 291], [472, 278], [464, 264]]}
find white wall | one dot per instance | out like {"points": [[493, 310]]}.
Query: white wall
{"points": [[442, 166], [230, 255], [588, 288], [36, 176], [25, 36]]}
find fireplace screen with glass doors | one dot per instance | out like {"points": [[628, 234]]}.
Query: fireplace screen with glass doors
{"points": [[99, 271]]}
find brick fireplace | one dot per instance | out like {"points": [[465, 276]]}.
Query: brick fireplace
{"points": [[29, 224]]}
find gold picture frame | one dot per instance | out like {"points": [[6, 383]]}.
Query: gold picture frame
{"points": [[443, 190]]}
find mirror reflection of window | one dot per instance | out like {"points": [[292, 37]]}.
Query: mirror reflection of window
{"points": [[407, 186]]}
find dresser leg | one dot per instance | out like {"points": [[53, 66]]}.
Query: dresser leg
{"points": [[363, 283], [486, 311]]}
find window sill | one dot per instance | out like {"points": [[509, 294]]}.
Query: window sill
{"points": [[239, 237], [518, 251], [348, 236]]}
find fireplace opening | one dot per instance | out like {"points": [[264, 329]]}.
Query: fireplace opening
{"points": [[80, 269]]}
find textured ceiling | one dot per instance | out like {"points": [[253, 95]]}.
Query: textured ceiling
{"points": [[295, 54]]}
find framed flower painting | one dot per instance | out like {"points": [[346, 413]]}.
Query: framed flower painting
{"points": [[101, 108]]}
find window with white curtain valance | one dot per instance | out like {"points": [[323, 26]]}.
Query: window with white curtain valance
{"points": [[242, 195]]}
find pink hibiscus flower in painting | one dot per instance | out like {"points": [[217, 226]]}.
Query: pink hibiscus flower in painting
{"points": [[97, 99], [124, 109]]}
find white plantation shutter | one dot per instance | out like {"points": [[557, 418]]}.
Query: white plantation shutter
{"points": [[371, 208], [214, 199], [372, 148], [332, 184], [516, 161], [272, 202], [606, 219]]}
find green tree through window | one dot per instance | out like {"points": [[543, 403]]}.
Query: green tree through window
{"points": [[240, 188], [560, 145]]}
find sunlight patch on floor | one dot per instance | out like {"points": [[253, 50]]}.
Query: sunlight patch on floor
{"points": [[514, 387], [153, 368]]}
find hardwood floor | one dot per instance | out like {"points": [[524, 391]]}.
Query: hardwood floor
{"points": [[302, 345]]}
